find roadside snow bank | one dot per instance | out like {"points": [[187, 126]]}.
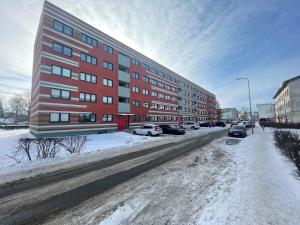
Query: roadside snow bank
{"points": [[98, 146]]}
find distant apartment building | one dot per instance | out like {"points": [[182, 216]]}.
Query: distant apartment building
{"points": [[266, 111], [287, 101], [229, 114], [86, 81]]}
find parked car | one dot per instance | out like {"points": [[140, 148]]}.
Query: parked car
{"points": [[190, 125], [220, 124], [237, 131], [249, 124], [148, 129], [205, 124], [234, 123], [171, 129]]}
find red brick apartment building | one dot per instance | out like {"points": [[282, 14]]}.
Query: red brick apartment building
{"points": [[84, 81]]}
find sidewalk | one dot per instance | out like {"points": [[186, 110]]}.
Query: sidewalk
{"points": [[265, 192]]}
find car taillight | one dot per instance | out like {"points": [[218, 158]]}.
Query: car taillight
{"points": [[157, 128]]}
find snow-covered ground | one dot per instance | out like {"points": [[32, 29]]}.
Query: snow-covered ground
{"points": [[230, 181], [98, 146]]}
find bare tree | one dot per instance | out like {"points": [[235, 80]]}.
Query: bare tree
{"points": [[1, 108], [3, 111], [73, 144], [19, 105], [25, 145], [219, 111]]}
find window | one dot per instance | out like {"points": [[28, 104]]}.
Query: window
{"points": [[107, 65], [136, 118], [136, 75], [86, 97], [160, 84], [146, 104], [136, 103], [153, 82], [145, 92], [135, 61], [153, 70], [146, 79], [59, 117], [58, 93], [107, 100], [145, 66], [162, 107], [107, 118], [147, 118], [153, 105], [88, 58], [154, 94], [87, 117], [61, 49], [62, 28], [107, 82], [108, 49], [89, 40], [135, 89], [57, 70], [88, 77], [161, 95]]}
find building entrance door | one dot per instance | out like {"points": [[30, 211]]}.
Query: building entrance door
{"points": [[122, 123]]}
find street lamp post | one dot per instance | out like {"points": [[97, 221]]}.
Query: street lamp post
{"points": [[245, 78]]}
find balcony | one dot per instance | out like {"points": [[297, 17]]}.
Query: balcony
{"points": [[124, 60], [123, 92], [123, 107], [180, 94], [123, 76]]}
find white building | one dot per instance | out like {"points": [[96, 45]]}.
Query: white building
{"points": [[287, 101], [266, 111], [229, 114]]}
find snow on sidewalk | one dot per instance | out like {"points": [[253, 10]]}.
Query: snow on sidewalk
{"points": [[266, 190]]}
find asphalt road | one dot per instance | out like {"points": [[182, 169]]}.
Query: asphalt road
{"points": [[34, 200]]}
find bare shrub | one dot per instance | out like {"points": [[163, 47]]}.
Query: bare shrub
{"points": [[25, 145], [289, 145], [15, 156], [279, 125], [73, 144], [47, 147]]}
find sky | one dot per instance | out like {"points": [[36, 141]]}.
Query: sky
{"points": [[209, 42]]}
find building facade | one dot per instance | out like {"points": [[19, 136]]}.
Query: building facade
{"points": [[85, 81], [266, 111], [287, 101], [229, 114]]}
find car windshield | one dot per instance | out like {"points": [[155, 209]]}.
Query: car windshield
{"points": [[238, 128]]}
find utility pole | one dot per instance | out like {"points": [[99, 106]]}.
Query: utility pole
{"points": [[245, 78]]}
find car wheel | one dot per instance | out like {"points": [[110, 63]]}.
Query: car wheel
{"points": [[134, 132], [149, 133], [193, 128]]}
